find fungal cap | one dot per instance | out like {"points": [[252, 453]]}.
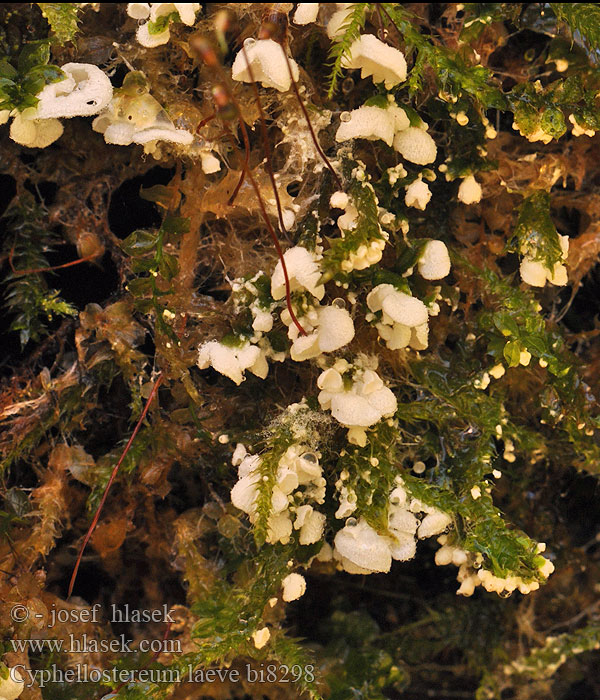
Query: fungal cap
{"points": [[261, 637], [352, 410], [138, 10], [268, 64], [303, 272], [364, 547], [404, 309], [368, 122], [416, 145], [336, 328], [85, 90], [469, 191], [151, 41], [384, 63], [417, 195], [306, 13], [35, 133], [434, 263], [10, 688], [294, 587]]}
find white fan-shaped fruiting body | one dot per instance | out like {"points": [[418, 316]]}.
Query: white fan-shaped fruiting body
{"points": [[328, 328], [580, 129], [233, 361], [403, 319], [372, 123], [303, 274], [335, 26], [536, 274], [383, 63], [417, 195], [138, 10], [264, 61], [150, 40], [35, 133], [416, 145], [298, 478], [361, 405], [148, 34], [306, 13], [261, 637], [434, 262], [84, 91], [472, 574], [134, 116], [469, 191], [294, 587], [361, 549]]}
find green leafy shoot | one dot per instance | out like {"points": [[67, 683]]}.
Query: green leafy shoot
{"points": [[536, 233], [19, 85], [62, 18], [583, 18], [27, 295]]}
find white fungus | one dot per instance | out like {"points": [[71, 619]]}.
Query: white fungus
{"points": [[417, 195], [398, 306], [372, 123], [360, 546], [147, 35], [267, 62], [140, 119], [306, 13], [335, 26], [294, 587], [469, 191], [536, 274], [434, 262], [138, 10], [85, 91], [233, 361], [359, 406], [332, 329], [416, 145], [261, 637], [403, 319], [35, 133], [374, 58], [303, 273]]}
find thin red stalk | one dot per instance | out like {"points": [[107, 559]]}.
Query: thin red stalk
{"points": [[265, 140], [379, 7], [35, 271], [263, 209], [235, 192], [205, 121], [210, 58], [113, 475], [308, 122]]}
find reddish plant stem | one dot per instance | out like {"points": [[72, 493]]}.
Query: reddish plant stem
{"points": [[35, 271], [308, 122], [209, 57], [265, 140], [263, 209], [113, 476]]}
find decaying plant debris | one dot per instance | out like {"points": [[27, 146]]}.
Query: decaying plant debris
{"points": [[414, 380]]}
